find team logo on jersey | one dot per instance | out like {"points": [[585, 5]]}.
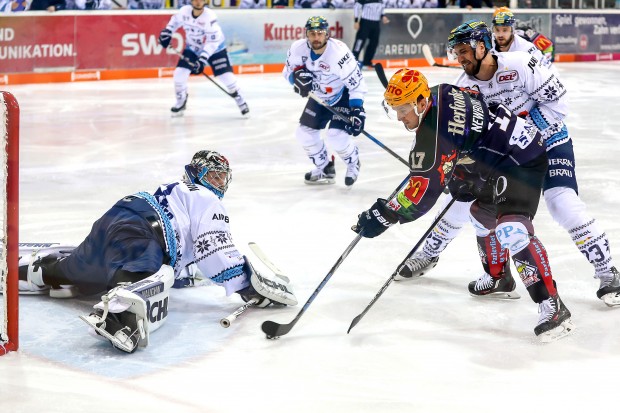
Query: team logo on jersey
{"points": [[415, 190], [324, 66], [507, 76], [445, 166]]}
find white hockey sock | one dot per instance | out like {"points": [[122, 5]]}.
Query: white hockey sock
{"points": [[314, 146], [180, 78], [448, 228], [343, 144]]}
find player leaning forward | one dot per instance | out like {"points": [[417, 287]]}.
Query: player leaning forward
{"points": [[140, 247], [495, 159], [326, 67], [205, 43]]}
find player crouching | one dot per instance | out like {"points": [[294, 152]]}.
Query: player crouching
{"points": [[140, 248]]}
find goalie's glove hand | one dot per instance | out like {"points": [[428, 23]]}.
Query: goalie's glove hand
{"points": [[357, 118], [199, 67], [302, 81], [164, 38], [249, 293], [376, 220]]}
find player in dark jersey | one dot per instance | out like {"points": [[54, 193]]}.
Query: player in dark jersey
{"points": [[495, 159]]}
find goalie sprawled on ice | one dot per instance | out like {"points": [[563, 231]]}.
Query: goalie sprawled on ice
{"points": [[140, 248]]}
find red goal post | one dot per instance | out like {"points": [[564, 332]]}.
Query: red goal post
{"points": [[9, 223]]}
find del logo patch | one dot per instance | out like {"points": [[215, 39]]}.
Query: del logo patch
{"points": [[416, 188]]}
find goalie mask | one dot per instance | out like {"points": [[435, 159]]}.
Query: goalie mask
{"points": [[211, 170]]}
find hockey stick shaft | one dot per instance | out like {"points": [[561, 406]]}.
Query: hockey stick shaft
{"points": [[389, 281], [192, 64], [273, 330], [428, 55], [348, 122], [227, 321], [381, 74]]}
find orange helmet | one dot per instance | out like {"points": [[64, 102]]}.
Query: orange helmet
{"points": [[405, 86]]}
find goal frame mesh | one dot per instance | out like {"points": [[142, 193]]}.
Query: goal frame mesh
{"points": [[9, 130]]}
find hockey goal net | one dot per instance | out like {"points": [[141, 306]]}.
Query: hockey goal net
{"points": [[9, 184]]}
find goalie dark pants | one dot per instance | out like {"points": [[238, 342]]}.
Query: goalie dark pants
{"points": [[125, 245]]}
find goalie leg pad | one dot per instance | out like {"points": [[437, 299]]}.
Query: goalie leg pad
{"points": [[274, 288], [127, 314]]}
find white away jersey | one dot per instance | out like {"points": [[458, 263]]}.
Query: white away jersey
{"points": [[203, 35], [202, 232], [334, 70], [522, 85]]}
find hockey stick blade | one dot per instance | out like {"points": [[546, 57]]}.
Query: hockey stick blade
{"points": [[189, 62], [381, 74], [389, 281], [274, 330], [428, 55]]}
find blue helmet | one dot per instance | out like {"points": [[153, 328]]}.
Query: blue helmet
{"points": [[504, 17], [471, 32], [317, 23], [202, 163]]}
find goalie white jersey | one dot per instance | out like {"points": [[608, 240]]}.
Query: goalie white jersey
{"points": [[203, 34], [332, 71], [202, 233], [524, 86]]}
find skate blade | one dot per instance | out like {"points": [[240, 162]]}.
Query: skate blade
{"points": [[322, 181], [124, 345], [512, 295], [611, 299], [177, 114], [561, 331], [68, 291]]}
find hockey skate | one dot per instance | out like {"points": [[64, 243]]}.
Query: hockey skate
{"points": [[415, 266], [179, 109], [609, 290], [34, 259], [322, 176], [241, 103], [502, 287], [353, 170], [554, 322]]}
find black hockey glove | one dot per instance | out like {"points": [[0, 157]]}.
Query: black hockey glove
{"points": [[376, 220], [199, 67], [164, 38], [358, 119], [302, 81]]}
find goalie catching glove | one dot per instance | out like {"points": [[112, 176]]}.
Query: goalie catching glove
{"points": [[376, 220], [302, 81], [267, 290]]}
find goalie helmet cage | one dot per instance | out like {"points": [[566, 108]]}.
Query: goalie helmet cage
{"points": [[9, 229]]}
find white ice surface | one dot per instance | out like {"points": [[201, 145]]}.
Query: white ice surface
{"points": [[426, 346]]}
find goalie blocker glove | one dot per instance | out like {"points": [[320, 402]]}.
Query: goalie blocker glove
{"points": [[376, 220], [268, 290], [164, 38], [358, 119], [302, 81]]}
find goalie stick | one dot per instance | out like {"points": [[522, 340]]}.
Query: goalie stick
{"points": [[428, 55], [189, 62], [348, 122], [389, 281], [227, 321], [275, 330]]}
